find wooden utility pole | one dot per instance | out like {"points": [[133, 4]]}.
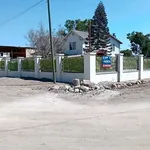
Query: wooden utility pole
{"points": [[51, 41], [90, 46]]}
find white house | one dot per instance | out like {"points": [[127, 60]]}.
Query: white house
{"points": [[74, 43]]}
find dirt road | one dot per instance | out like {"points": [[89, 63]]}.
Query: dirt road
{"points": [[38, 120]]}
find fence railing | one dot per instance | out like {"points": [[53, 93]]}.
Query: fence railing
{"points": [[130, 63], [73, 64], [68, 68], [100, 68]]}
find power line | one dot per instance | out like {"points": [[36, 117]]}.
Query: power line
{"points": [[20, 14]]}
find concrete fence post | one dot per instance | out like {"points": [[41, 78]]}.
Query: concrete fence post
{"points": [[37, 65], [90, 66], [59, 66], [19, 59], [120, 66], [140, 66], [7, 59]]}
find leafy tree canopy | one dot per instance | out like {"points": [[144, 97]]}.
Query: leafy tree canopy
{"points": [[141, 39], [127, 53], [81, 25]]}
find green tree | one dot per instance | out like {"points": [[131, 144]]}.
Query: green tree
{"points": [[99, 32], [100, 22], [69, 25], [127, 53], [142, 40], [81, 25]]}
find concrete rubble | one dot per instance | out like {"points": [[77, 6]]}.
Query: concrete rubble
{"points": [[78, 86]]}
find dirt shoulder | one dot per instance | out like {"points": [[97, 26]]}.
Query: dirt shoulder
{"points": [[34, 118]]}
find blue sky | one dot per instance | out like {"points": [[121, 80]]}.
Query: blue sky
{"points": [[124, 16]]}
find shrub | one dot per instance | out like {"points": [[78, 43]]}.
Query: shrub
{"points": [[2, 65], [46, 65], [13, 66], [74, 65], [28, 65], [147, 63], [127, 53], [130, 63]]}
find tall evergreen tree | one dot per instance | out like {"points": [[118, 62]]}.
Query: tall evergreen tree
{"points": [[99, 32]]}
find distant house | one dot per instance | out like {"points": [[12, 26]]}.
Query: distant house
{"points": [[14, 51], [74, 43]]}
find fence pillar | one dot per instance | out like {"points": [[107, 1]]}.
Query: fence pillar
{"points": [[140, 66], [59, 66], [19, 59], [90, 66], [120, 66], [7, 59], [36, 66]]}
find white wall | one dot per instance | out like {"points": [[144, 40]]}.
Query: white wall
{"points": [[29, 52], [27, 74], [101, 77], [146, 74], [3, 55], [47, 75], [2, 73], [89, 71], [13, 74], [126, 76], [117, 46], [73, 37], [68, 77]]}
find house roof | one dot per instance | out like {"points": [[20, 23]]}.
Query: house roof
{"points": [[4, 46], [84, 35], [115, 39]]}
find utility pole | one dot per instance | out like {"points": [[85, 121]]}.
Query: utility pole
{"points": [[90, 45], [51, 41]]}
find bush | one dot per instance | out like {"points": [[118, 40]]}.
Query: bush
{"points": [[130, 63], [2, 65], [73, 65], [28, 65], [13, 66], [46, 65], [127, 53], [147, 63]]}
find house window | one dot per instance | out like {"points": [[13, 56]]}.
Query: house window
{"points": [[113, 47], [72, 45]]}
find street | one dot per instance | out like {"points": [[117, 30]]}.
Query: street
{"points": [[40, 120]]}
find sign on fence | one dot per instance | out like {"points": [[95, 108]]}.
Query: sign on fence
{"points": [[106, 61]]}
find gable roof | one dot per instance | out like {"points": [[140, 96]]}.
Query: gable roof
{"points": [[115, 39], [84, 35]]}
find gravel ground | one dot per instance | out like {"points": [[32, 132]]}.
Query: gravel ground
{"points": [[40, 120]]}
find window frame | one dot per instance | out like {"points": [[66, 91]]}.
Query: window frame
{"points": [[113, 47], [72, 45]]}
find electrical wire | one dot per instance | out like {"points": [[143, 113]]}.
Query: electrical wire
{"points": [[20, 14]]}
